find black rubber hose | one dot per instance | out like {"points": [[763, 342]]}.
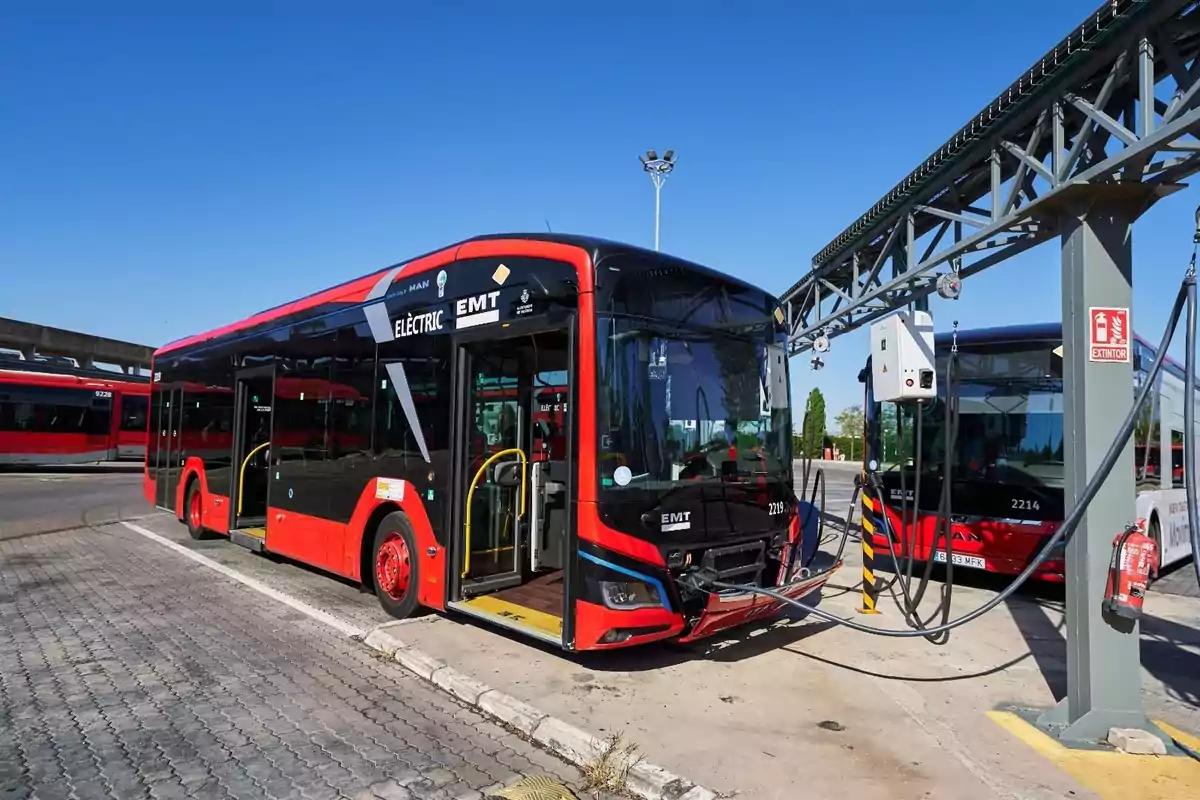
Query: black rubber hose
{"points": [[903, 539], [846, 528], [918, 467], [950, 449], [849, 521], [702, 581], [905, 602], [813, 508], [910, 602], [945, 526], [884, 520], [805, 458], [902, 563]]}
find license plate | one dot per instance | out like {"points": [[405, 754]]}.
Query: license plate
{"points": [[960, 560]]}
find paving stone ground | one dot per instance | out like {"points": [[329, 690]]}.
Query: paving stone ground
{"points": [[128, 671]]}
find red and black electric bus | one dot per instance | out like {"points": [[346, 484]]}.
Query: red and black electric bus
{"points": [[542, 431], [1007, 495], [52, 418]]}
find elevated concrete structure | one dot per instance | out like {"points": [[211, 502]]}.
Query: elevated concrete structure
{"points": [[32, 339]]}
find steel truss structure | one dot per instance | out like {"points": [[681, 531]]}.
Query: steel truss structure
{"points": [[1112, 106]]}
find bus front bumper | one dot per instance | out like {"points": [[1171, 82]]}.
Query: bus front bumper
{"points": [[730, 609]]}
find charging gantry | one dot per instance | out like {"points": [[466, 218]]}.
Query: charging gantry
{"points": [[1079, 147]]}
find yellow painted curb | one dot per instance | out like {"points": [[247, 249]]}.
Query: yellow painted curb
{"points": [[1111, 774]]}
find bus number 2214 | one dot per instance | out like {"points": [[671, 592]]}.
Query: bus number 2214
{"points": [[1021, 504]]}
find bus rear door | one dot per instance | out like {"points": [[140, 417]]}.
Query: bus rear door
{"points": [[170, 451]]}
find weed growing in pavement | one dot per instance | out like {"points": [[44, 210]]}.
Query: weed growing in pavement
{"points": [[609, 772]]}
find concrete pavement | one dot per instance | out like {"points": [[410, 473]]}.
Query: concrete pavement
{"points": [[127, 671], [884, 718], [755, 713]]}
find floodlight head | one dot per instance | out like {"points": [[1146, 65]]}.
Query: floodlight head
{"points": [[658, 166]]}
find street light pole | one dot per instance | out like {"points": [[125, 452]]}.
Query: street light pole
{"points": [[659, 169]]}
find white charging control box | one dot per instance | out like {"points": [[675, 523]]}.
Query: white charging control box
{"points": [[902, 361]]}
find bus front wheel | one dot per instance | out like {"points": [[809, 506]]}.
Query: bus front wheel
{"points": [[394, 565]]}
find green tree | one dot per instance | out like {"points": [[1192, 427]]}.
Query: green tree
{"points": [[850, 426], [813, 429]]}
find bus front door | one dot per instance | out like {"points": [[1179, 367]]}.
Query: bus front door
{"points": [[495, 468], [513, 496]]}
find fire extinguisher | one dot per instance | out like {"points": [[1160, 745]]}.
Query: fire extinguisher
{"points": [[1134, 554]]}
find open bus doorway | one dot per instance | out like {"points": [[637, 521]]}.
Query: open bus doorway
{"points": [[252, 452], [512, 490]]}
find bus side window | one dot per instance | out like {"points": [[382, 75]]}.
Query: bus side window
{"points": [[426, 362], [1177, 459], [133, 412]]}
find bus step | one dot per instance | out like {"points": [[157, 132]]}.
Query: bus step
{"points": [[249, 538]]}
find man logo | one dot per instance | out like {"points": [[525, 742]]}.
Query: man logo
{"points": [[524, 295]]}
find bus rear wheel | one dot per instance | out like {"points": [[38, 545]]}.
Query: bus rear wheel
{"points": [[395, 565], [193, 511]]}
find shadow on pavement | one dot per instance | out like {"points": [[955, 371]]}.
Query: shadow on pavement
{"points": [[1164, 650]]}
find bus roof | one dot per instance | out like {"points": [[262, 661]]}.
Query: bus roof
{"points": [[1048, 331], [52, 368], [39, 378], [355, 289], [1033, 332]]}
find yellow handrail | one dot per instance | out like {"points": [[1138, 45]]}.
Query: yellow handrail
{"points": [[471, 493], [242, 473]]}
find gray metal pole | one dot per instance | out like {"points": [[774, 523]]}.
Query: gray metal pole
{"points": [[659, 169], [1104, 685], [657, 208]]}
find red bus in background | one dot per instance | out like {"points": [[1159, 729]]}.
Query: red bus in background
{"points": [[1007, 470], [48, 418]]}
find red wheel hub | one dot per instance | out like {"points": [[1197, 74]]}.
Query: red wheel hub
{"points": [[194, 511], [393, 567]]}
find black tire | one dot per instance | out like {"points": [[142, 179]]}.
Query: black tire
{"points": [[191, 501], [395, 528]]}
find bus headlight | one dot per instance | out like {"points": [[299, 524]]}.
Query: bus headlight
{"points": [[626, 595]]}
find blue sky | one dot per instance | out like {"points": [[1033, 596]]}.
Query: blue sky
{"points": [[167, 170]]}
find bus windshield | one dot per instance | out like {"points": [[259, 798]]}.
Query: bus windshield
{"points": [[691, 404], [1008, 456]]}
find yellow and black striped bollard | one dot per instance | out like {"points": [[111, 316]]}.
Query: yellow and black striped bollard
{"points": [[870, 524]]}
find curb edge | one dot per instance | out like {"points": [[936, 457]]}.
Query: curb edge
{"points": [[577, 747]]}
